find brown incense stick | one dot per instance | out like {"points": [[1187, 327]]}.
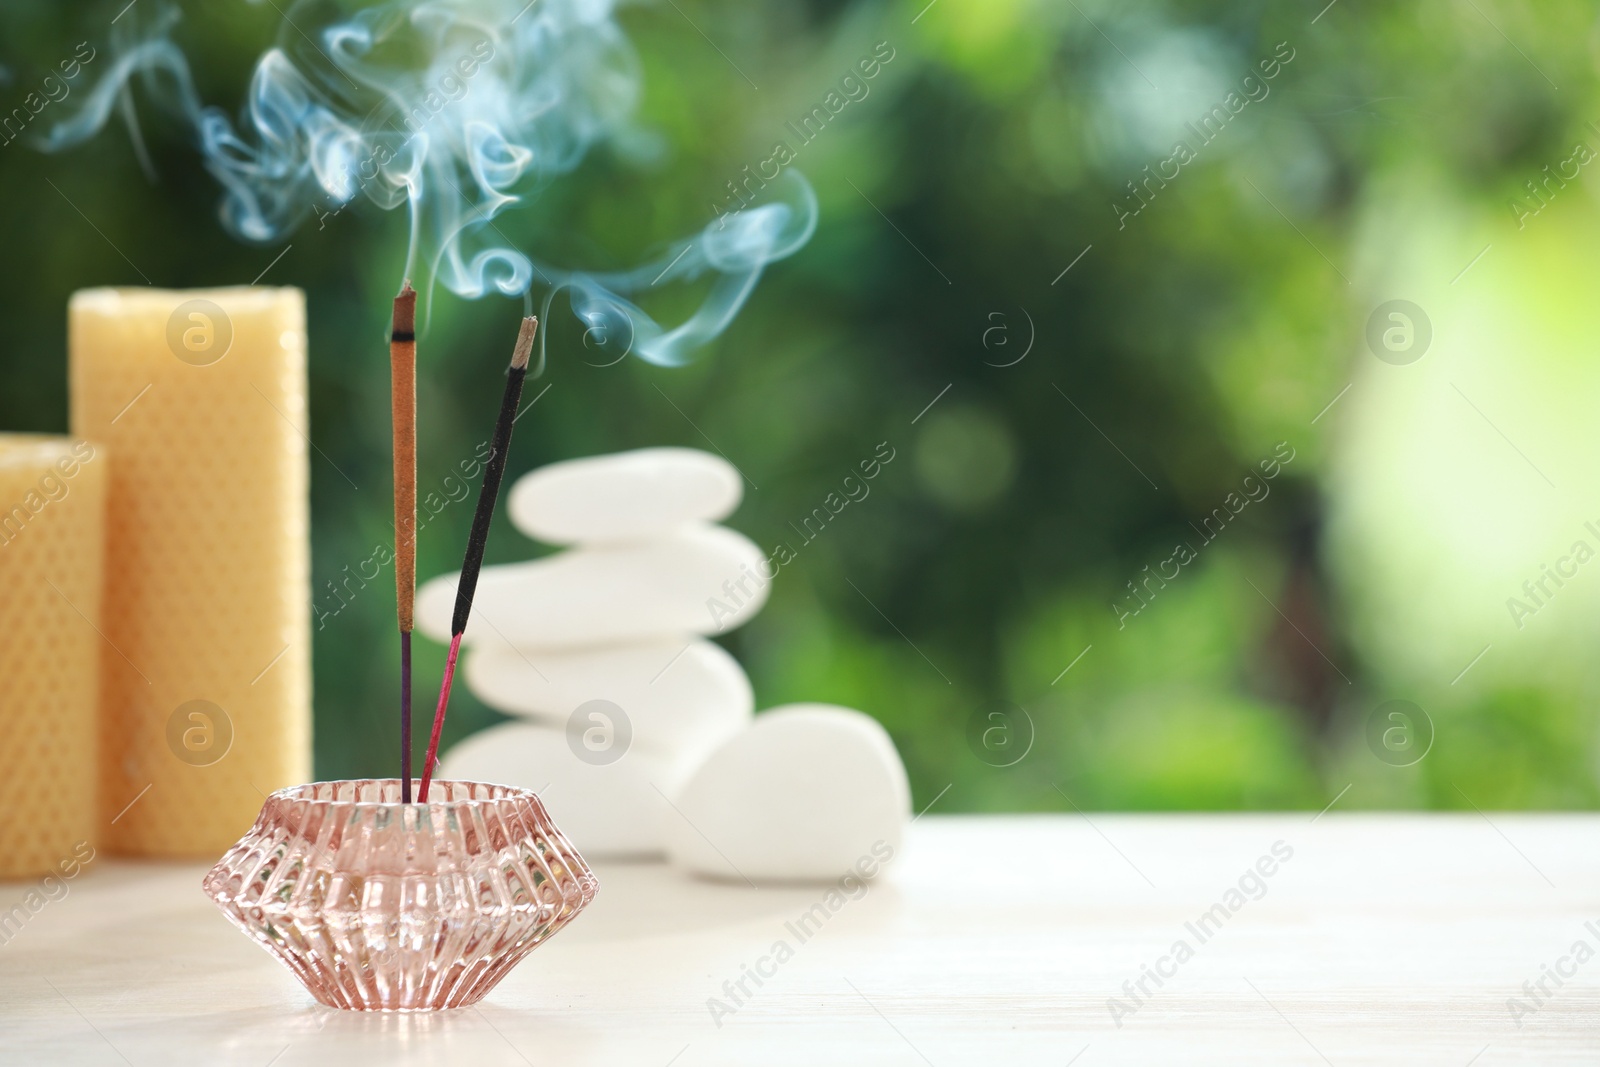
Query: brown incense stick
{"points": [[478, 539], [403, 391]]}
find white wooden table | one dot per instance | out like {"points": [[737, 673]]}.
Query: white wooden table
{"points": [[993, 940]]}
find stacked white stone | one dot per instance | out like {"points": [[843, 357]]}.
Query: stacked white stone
{"points": [[636, 730], [600, 649]]}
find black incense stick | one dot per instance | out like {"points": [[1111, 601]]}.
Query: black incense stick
{"points": [[494, 471]]}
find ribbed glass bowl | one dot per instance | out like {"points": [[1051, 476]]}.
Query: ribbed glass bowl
{"points": [[377, 905]]}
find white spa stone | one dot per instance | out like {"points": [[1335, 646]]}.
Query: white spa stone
{"points": [[680, 694], [684, 582], [627, 496], [607, 811], [809, 792]]}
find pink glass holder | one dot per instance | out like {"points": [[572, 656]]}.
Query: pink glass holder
{"points": [[377, 905]]}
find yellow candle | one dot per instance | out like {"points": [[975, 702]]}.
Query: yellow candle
{"points": [[201, 397], [52, 519]]}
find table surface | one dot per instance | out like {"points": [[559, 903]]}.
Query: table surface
{"points": [[1379, 939]]}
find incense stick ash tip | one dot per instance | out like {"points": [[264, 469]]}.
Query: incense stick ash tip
{"points": [[524, 349]]}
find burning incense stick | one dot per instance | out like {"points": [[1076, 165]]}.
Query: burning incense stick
{"points": [[403, 387], [473, 563]]}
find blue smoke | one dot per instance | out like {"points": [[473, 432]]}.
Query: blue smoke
{"points": [[458, 110]]}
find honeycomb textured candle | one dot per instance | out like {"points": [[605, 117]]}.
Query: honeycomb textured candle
{"points": [[206, 703], [52, 516]]}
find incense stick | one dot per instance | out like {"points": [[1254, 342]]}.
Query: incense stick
{"points": [[494, 471], [403, 389]]}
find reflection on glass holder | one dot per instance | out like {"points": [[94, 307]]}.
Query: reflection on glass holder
{"points": [[381, 906]]}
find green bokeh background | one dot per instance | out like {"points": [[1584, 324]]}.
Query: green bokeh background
{"points": [[1174, 356]]}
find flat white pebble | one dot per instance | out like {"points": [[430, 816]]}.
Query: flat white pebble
{"points": [[626, 496], [809, 792], [685, 582], [681, 695], [607, 811]]}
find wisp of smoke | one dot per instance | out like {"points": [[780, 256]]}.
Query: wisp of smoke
{"points": [[457, 109]]}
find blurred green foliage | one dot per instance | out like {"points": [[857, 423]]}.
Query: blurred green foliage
{"points": [[1184, 344]]}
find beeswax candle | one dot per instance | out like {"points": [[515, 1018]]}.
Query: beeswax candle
{"points": [[52, 515], [201, 397]]}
